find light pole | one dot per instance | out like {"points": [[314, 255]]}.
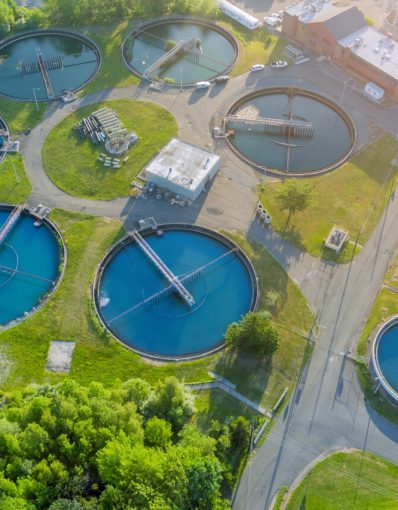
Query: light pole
{"points": [[181, 79], [34, 95], [345, 86]]}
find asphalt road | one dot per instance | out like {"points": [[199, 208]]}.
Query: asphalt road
{"points": [[327, 410]]}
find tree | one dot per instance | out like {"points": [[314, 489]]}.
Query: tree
{"points": [[65, 504], [68, 447], [173, 402], [158, 433], [204, 478], [240, 433], [253, 333], [294, 195]]}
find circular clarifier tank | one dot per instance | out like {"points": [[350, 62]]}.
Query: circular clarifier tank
{"points": [[187, 51], [139, 305], [30, 260], [290, 131], [385, 357], [44, 64]]}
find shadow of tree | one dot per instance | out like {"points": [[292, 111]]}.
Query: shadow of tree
{"points": [[249, 372], [293, 236]]}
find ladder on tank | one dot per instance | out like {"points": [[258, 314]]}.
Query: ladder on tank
{"points": [[158, 262], [11, 220]]}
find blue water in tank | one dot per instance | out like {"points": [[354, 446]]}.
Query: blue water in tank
{"points": [[29, 266], [169, 326], [387, 353]]}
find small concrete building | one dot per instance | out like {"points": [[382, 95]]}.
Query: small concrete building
{"points": [[183, 169]]}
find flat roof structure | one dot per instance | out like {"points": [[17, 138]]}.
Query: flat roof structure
{"points": [[341, 21], [343, 35], [183, 168], [239, 15], [374, 47]]}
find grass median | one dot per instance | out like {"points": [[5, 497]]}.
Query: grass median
{"points": [[113, 72], [352, 479], [15, 186], [21, 116]]}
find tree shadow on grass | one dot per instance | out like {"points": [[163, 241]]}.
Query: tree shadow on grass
{"points": [[293, 236], [249, 372]]}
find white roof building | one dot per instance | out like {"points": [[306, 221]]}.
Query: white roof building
{"points": [[183, 169], [242, 17], [378, 49]]}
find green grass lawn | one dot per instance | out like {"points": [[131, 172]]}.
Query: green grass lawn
{"points": [[21, 116], [14, 183], [68, 315], [71, 163], [113, 72], [279, 499], [344, 197], [348, 480], [255, 46]]}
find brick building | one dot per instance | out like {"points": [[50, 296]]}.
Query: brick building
{"points": [[343, 35]]}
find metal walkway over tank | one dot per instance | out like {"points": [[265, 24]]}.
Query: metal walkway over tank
{"points": [[46, 79], [187, 277], [11, 220], [297, 126], [158, 262], [182, 46]]}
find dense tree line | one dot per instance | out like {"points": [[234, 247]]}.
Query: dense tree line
{"points": [[68, 447], [18, 18], [88, 12]]}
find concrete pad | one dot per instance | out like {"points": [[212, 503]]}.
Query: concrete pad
{"points": [[60, 356]]}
